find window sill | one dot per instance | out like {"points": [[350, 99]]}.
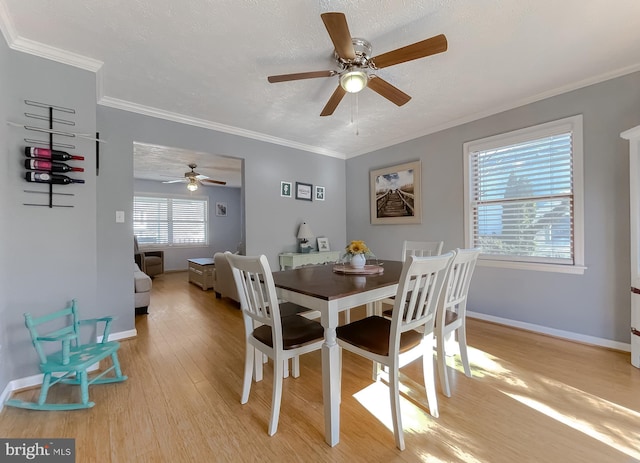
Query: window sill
{"points": [[572, 269], [164, 247]]}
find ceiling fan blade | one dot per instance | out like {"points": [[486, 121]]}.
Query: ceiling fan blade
{"points": [[216, 182], [300, 75], [417, 50], [336, 24], [385, 89], [333, 102], [174, 181]]}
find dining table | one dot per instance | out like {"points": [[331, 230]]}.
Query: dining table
{"points": [[324, 289]]}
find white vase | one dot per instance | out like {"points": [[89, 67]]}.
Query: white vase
{"points": [[358, 260], [360, 282]]}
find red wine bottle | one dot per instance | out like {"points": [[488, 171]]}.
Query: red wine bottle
{"points": [[53, 155], [44, 177], [39, 164]]}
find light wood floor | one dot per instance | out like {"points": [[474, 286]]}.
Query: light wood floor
{"points": [[532, 399]]}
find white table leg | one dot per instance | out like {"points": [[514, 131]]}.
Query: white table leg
{"points": [[370, 308], [330, 377], [375, 308]]}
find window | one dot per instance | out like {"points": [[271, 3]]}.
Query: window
{"points": [[523, 197], [170, 221]]}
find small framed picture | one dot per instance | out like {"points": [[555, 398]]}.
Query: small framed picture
{"points": [[221, 209], [285, 189], [323, 244], [303, 191], [319, 193]]}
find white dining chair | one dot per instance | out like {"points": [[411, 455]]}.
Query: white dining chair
{"points": [[420, 249], [266, 330], [452, 312], [408, 335]]}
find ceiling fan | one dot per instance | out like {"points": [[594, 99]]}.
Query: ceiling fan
{"points": [[357, 67], [192, 178]]}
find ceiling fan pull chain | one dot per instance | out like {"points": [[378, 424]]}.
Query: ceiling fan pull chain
{"points": [[354, 95], [357, 127]]}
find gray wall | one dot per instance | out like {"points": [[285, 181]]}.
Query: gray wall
{"points": [[5, 162], [271, 222], [594, 304], [49, 254], [225, 233]]}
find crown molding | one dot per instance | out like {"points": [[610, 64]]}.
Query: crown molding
{"points": [[99, 84], [188, 120], [6, 25], [499, 109], [79, 61], [632, 133], [32, 47], [56, 54], [18, 43], [44, 51]]}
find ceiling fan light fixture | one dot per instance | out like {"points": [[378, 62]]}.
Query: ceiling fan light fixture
{"points": [[192, 185], [354, 81]]}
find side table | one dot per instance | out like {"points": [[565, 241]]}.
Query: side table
{"points": [[296, 259], [201, 272]]}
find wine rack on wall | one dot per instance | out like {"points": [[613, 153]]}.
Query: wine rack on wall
{"points": [[42, 163]]}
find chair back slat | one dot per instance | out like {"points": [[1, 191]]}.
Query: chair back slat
{"points": [[416, 301], [55, 324], [421, 248], [257, 300], [456, 287], [36, 321], [257, 293]]}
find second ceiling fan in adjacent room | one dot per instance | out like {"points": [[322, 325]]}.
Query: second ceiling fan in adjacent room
{"points": [[193, 178]]}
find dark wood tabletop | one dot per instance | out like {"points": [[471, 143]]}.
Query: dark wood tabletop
{"points": [[322, 282]]}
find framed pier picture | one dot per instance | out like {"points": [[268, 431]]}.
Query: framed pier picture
{"points": [[396, 194]]}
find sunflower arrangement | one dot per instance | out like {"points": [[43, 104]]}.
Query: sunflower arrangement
{"points": [[354, 248], [357, 247]]}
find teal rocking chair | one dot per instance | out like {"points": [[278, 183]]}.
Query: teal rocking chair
{"points": [[73, 360]]}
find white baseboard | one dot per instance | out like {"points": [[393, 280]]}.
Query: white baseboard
{"points": [[121, 335], [36, 380], [6, 394], [553, 332], [22, 383]]}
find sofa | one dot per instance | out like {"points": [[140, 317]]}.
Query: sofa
{"points": [[142, 288], [223, 282]]}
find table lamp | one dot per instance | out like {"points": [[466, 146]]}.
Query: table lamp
{"points": [[304, 235]]}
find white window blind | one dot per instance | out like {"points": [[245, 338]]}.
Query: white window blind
{"points": [[170, 221], [521, 196]]}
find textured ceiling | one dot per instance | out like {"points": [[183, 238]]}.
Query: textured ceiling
{"points": [[165, 163], [206, 62]]}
